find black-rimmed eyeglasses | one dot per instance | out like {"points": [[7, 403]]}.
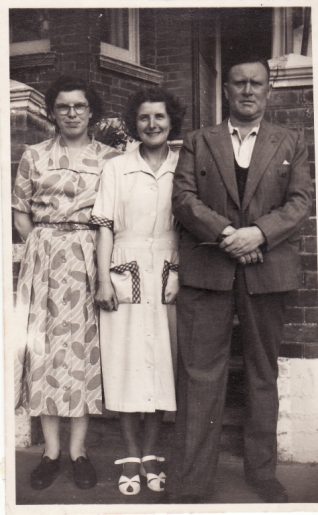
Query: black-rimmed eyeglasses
{"points": [[64, 109]]}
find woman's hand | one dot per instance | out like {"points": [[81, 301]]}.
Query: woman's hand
{"points": [[106, 297], [23, 224]]}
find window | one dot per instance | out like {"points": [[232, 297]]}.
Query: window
{"points": [[291, 31], [291, 62], [29, 31], [120, 34]]}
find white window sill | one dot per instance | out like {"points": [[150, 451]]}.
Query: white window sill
{"points": [[291, 70], [131, 69], [37, 46]]}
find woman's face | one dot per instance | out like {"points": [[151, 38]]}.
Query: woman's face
{"points": [[72, 113], [153, 124]]}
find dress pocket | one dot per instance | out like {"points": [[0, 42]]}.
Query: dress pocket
{"points": [[170, 283], [126, 282]]}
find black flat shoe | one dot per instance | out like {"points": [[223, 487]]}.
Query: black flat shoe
{"points": [[269, 490], [84, 473], [45, 473]]}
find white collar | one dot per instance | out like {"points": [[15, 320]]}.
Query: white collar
{"points": [[137, 164], [234, 129]]}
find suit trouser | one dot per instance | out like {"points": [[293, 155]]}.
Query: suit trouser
{"points": [[205, 320]]}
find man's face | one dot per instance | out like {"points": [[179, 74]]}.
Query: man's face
{"points": [[247, 91]]}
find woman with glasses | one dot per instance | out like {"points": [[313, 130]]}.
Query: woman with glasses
{"points": [[138, 282], [54, 192]]}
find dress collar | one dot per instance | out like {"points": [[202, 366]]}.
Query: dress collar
{"points": [[138, 164]]}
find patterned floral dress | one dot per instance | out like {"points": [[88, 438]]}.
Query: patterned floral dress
{"points": [[138, 341], [59, 367]]}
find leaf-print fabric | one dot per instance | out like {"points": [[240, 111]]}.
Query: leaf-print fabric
{"points": [[56, 315]]}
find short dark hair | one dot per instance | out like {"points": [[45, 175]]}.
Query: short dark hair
{"points": [[243, 59], [68, 83], [175, 109]]}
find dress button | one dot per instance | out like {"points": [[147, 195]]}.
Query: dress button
{"points": [[64, 301], [66, 387], [64, 324], [64, 344], [64, 281], [64, 365]]}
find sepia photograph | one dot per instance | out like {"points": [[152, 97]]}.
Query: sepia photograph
{"points": [[160, 257]]}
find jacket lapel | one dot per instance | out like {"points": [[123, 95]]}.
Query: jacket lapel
{"points": [[266, 145], [219, 141]]}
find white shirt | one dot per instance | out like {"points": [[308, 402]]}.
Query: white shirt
{"points": [[243, 148]]}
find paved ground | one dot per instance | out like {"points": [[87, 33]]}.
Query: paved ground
{"points": [[301, 481]]}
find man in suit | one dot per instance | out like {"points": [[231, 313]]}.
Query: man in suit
{"points": [[242, 190]]}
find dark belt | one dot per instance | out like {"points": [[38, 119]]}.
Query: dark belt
{"points": [[66, 226]]}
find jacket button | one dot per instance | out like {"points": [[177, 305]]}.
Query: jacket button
{"points": [[203, 172]]}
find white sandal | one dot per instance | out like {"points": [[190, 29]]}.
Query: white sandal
{"points": [[129, 485], [154, 481]]}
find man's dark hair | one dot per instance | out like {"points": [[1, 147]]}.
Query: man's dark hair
{"points": [[174, 109], [68, 83], [243, 59]]}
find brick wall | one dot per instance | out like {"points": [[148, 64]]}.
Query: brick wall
{"points": [[174, 56], [26, 128], [294, 108], [75, 48]]}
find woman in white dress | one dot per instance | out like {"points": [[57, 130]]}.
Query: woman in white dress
{"points": [[138, 282]]}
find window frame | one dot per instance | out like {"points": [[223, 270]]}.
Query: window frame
{"points": [[281, 33], [29, 47], [287, 69], [36, 46], [132, 54]]}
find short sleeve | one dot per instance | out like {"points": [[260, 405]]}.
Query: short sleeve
{"points": [[22, 190], [103, 210]]}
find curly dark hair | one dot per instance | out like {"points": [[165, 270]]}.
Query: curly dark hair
{"points": [[68, 83], [175, 109]]}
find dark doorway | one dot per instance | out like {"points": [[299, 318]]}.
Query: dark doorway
{"points": [[245, 30]]}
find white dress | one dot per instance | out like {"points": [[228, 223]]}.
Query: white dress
{"points": [[138, 340]]}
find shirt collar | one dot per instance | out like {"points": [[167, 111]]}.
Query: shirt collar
{"points": [[137, 164], [234, 130]]}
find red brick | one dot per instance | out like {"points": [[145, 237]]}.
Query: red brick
{"points": [[309, 261], [311, 315], [307, 298], [309, 244], [310, 280], [308, 96], [301, 332], [295, 315], [288, 116], [310, 227], [311, 152], [309, 135], [285, 98], [313, 208]]}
